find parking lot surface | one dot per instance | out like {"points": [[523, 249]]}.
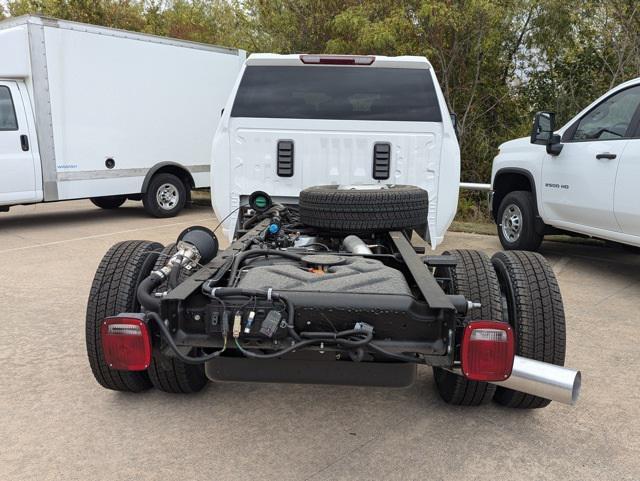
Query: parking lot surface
{"points": [[57, 423]]}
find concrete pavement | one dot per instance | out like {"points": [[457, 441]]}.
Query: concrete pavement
{"points": [[57, 423]]}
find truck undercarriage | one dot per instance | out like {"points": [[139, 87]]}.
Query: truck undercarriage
{"points": [[296, 299]]}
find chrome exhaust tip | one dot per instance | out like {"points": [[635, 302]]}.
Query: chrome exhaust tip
{"points": [[542, 379], [545, 380]]}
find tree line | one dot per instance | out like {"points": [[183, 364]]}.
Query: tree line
{"points": [[498, 61]]}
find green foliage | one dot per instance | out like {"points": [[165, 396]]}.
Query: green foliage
{"points": [[498, 61], [473, 207]]}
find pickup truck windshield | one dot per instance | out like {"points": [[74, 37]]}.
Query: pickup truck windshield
{"points": [[337, 93]]}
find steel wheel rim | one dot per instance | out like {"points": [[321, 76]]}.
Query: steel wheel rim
{"points": [[167, 196], [512, 223]]}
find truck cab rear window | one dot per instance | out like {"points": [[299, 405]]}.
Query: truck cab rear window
{"points": [[337, 93], [8, 119]]}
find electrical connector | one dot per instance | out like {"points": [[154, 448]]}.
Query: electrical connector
{"points": [[270, 323], [237, 325], [247, 326], [225, 324]]}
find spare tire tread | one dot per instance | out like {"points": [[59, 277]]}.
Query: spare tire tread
{"points": [[364, 211]]}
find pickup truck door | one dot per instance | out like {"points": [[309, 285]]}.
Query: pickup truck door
{"points": [[578, 185], [17, 169], [626, 202]]}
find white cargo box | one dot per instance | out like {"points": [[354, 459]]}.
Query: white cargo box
{"points": [[99, 110]]}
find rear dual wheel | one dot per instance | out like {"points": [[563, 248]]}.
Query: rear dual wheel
{"points": [[517, 287], [114, 291], [474, 278], [168, 373], [533, 307]]}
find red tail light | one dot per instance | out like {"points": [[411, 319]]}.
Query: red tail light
{"points": [[126, 343], [487, 351], [337, 59]]}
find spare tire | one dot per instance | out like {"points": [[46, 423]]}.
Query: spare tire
{"points": [[364, 210]]}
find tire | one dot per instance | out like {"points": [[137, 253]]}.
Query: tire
{"points": [[518, 207], [109, 202], [166, 196], [474, 278], [113, 292], [535, 311], [363, 211], [167, 373]]}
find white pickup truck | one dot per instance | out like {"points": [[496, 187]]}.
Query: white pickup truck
{"points": [[582, 178]]}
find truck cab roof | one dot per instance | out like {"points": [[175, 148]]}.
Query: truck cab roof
{"points": [[375, 61]]}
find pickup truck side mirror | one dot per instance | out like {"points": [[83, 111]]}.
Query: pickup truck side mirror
{"points": [[544, 125]]}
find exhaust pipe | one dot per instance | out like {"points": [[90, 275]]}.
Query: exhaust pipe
{"points": [[355, 245], [543, 379]]}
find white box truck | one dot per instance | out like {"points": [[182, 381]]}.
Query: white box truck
{"points": [[105, 114]]}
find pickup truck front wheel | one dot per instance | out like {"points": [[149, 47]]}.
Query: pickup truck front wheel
{"points": [[516, 222]]}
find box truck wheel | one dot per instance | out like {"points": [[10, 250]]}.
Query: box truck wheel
{"points": [[109, 202], [166, 195]]}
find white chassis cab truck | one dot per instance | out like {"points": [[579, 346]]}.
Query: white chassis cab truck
{"points": [[321, 283], [582, 178], [92, 112]]}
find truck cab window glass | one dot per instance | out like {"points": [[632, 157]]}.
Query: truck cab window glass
{"points": [[337, 93], [8, 120], [611, 119]]}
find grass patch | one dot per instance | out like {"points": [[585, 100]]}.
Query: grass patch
{"points": [[484, 228]]}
